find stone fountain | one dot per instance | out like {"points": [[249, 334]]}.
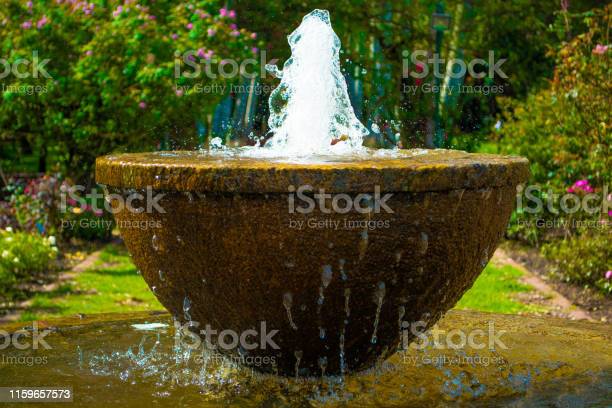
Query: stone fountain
{"points": [[310, 240]]}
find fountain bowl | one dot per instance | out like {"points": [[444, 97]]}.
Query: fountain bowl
{"points": [[335, 287]]}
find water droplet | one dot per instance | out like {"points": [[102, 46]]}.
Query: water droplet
{"points": [[347, 296], [323, 365], [363, 244], [186, 308], [288, 302], [298, 357], [155, 242], [341, 264], [401, 311], [398, 257], [485, 258], [379, 296], [423, 243], [179, 239], [322, 333], [326, 275], [161, 275]]}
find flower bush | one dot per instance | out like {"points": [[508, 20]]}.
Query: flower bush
{"points": [[111, 73], [23, 255], [564, 131]]}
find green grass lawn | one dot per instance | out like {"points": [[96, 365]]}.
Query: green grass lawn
{"points": [[495, 290], [113, 285]]}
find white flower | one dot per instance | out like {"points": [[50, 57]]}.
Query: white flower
{"points": [[5, 254], [9, 229], [52, 240], [15, 260]]}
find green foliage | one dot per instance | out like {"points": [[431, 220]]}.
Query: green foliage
{"points": [[583, 261], [22, 256], [564, 131], [112, 81]]}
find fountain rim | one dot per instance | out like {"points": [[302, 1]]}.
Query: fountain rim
{"points": [[438, 170]]}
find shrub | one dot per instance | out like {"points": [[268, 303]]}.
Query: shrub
{"points": [[583, 261], [23, 256], [111, 73], [564, 131]]}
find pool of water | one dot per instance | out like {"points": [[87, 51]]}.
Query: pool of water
{"points": [[130, 359]]}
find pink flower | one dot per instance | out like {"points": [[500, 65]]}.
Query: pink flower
{"points": [[189, 26], [223, 12], [142, 105], [201, 53], [152, 17], [581, 186], [98, 213], [89, 53], [235, 33], [211, 32], [29, 5], [179, 92], [233, 26], [609, 275], [232, 14], [600, 49], [27, 25], [42, 22], [254, 50], [174, 36], [118, 11], [253, 35]]}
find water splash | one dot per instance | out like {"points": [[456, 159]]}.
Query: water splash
{"points": [[310, 111]]}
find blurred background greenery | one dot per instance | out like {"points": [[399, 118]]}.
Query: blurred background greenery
{"points": [[113, 87]]}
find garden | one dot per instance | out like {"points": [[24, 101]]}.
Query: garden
{"points": [[109, 86], [84, 79]]}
